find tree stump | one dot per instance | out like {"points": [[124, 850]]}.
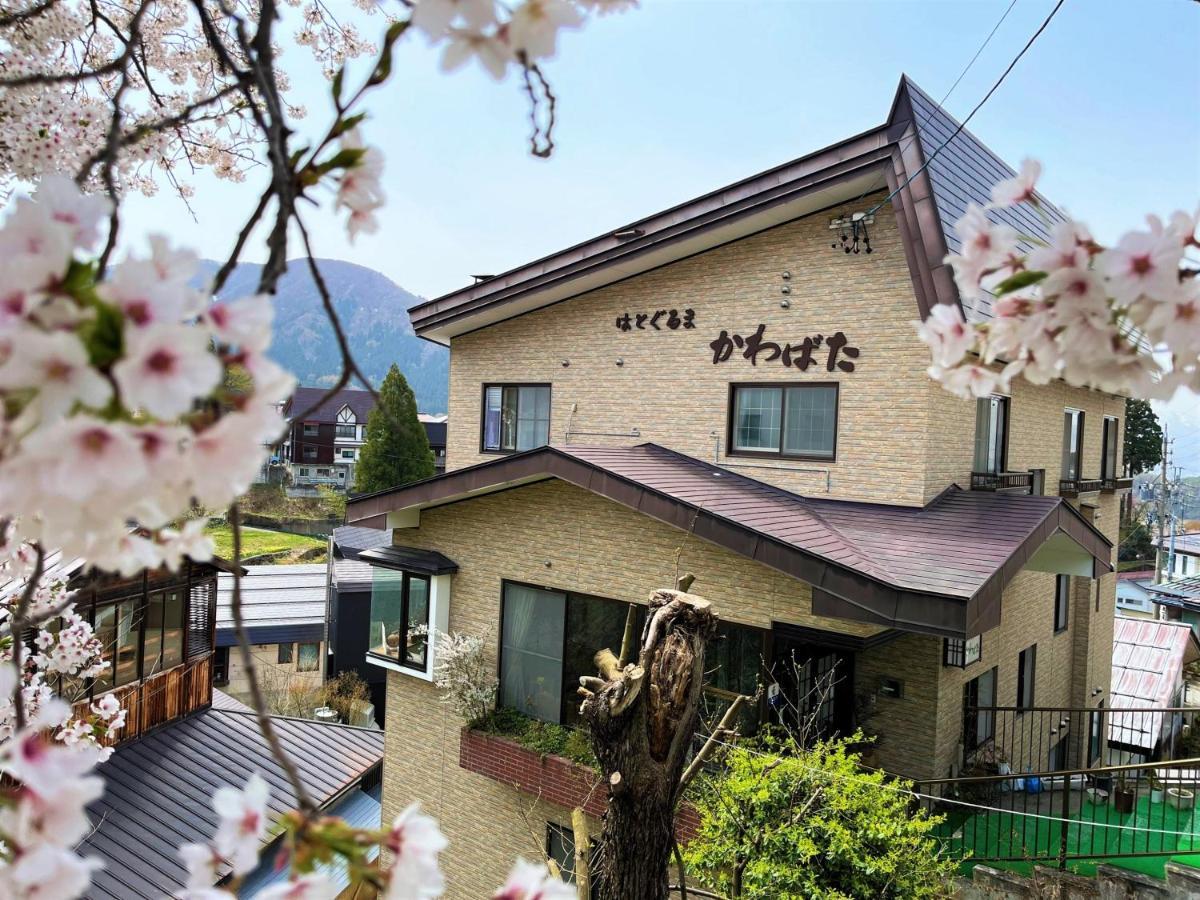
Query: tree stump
{"points": [[642, 718]]}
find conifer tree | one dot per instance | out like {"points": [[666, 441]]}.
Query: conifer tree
{"points": [[397, 449]]}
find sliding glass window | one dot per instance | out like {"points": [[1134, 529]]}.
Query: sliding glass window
{"points": [[796, 421], [515, 417]]}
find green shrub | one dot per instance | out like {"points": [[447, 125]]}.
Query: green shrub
{"points": [[544, 738], [782, 821]]}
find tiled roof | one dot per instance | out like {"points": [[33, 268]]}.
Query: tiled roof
{"points": [[937, 568], [1185, 589], [1147, 670], [350, 540], [358, 400], [279, 603], [1184, 543], [158, 790]]}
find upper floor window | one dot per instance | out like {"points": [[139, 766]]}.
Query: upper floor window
{"points": [[991, 435], [961, 652], [346, 431], [1072, 456], [311, 429], [157, 626], [791, 420], [1062, 602], [309, 452], [515, 417], [1110, 452]]}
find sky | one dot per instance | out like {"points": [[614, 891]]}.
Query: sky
{"points": [[679, 97]]}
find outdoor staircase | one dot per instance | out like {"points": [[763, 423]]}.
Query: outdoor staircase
{"points": [[1109, 883]]}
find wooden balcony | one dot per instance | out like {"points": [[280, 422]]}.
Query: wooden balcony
{"points": [[1007, 482], [1073, 487], [1111, 485], [161, 698]]}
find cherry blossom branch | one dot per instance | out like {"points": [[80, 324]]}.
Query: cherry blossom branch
{"points": [[17, 625], [265, 725]]}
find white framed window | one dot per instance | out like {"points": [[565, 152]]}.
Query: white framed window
{"points": [[798, 421], [515, 417], [407, 610]]}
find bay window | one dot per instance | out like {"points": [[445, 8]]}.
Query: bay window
{"points": [[515, 417], [784, 420], [400, 617]]}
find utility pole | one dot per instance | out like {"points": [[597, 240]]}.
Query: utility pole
{"points": [[1162, 511]]}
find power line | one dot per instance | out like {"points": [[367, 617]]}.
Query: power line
{"points": [[971, 115], [946, 95]]}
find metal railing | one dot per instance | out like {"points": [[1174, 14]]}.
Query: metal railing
{"points": [[1013, 482], [1071, 487], [1061, 784], [1116, 483]]}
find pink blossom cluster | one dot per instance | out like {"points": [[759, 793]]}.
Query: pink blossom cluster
{"points": [[475, 29], [1123, 319], [108, 390], [46, 816], [56, 126]]}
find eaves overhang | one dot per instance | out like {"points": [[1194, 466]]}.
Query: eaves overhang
{"points": [[848, 586]]}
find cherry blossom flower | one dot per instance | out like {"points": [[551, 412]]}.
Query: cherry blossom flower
{"points": [[201, 861], [414, 842], [47, 872], [947, 334], [1067, 249], [360, 189], [986, 246], [1019, 189], [434, 17], [80, 213], [244, 323], [34, 247], [1142, 263], [533, 29], [165, 369], [156, 289], [243, 823], [492, 53], [527, 881], [55, 364]]}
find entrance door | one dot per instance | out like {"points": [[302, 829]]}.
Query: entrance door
{"points": [[816, 685]]}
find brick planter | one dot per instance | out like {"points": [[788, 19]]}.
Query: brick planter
{"points": [[555, 779]]}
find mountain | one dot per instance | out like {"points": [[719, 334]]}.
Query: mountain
{"points": [[374, 314]]}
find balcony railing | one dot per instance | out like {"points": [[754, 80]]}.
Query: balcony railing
{"points": [[160, 698], [1116, 483], [1009, 482], [1073, 487], [1040, 785]]}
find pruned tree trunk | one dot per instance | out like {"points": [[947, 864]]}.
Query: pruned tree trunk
{"points": [[642, 717]]}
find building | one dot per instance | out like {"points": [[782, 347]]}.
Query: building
{"points": [[325, 436], [1179, 599], [1181, 556], [350, 609], [182, 739], [1149, 660], [284, 613], [1134, 598], [324, 446], [716, 389]]}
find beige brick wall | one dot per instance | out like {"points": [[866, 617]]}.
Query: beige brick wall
{"points": [[668, 386]]}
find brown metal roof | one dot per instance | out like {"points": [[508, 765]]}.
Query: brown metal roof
{"points": [[936, 569], [882, 158], [1147, 671], [158, 790]]}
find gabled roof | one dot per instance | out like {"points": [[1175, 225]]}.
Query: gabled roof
{"points": [[280, 604], [881, 159], [1147, 670], [158, 790], [936, 569], [1182, 592], [360, 401]]}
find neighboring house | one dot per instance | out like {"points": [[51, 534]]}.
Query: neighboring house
{"points": [[284, 613], [325, 436], [183, 739], [435, 431], [1148, 665], [324, 446], [1133, 594], [1181, 556], [350, 609], [727, 395], [1180, 599]]}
